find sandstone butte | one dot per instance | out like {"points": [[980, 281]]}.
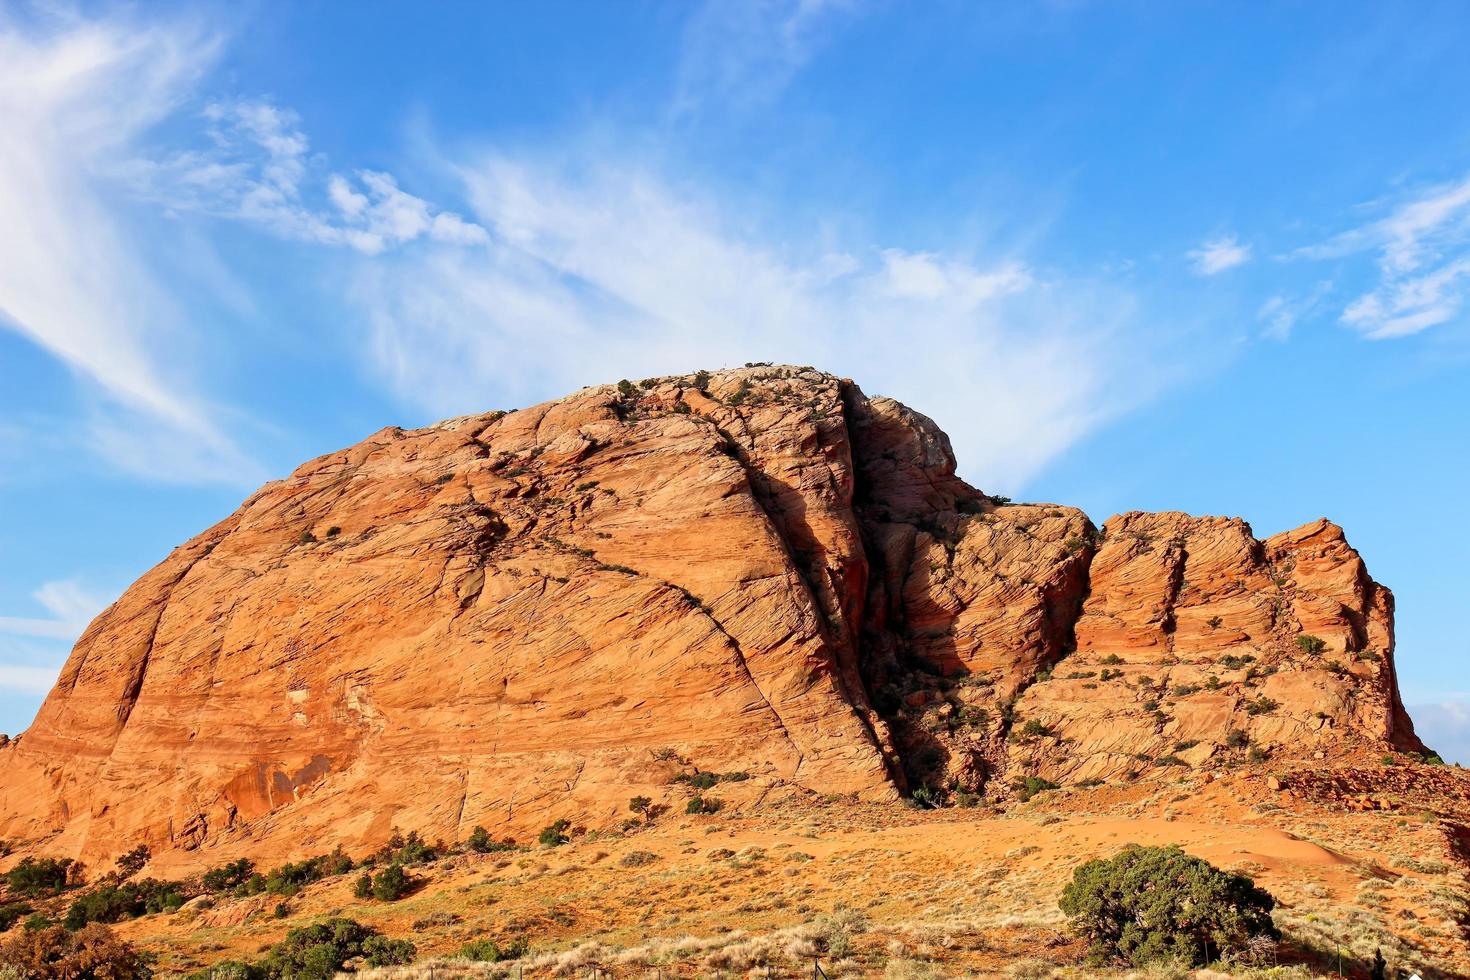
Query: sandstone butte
{"points": [[511, 618]]}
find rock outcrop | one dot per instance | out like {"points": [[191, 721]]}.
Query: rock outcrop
{"points": [[511, 618]]}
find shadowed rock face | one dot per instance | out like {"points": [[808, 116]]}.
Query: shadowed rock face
{"points": [[505, 619]]}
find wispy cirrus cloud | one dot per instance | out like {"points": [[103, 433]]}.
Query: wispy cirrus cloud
{"points": [[76, 97], [71, 608], [744, 52], [1421, 250], [1216, 255], [605, 269], [256, 166]]}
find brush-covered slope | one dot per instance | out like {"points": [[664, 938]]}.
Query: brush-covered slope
{"points": [[511, 618]]}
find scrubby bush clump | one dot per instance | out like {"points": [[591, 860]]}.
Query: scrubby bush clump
{"points": [[227, 877], [481, 842], [1149, 904], [317, 952], [35, 876], [555, 834], [114, 903], [388, 885], [54, 953], [489, 951]]}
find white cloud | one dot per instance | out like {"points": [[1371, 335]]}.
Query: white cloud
{"points": [[23, 679], [744, 52], [1218, 254], [1280, 313], [74, 101], [71, 608], [609, 271], [1444, 726], [1423, 260], [258, 167]]}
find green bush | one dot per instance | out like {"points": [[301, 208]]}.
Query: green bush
{"points": [[227, 877], [555, 835], [1309, 644], [626, 389], [390, 884], [114, 903], [1261, 706], [316, 952], [33, 876], [703, 804], [133, 861], [382, 951], [489, 951], [1152, 904], [1034, 729], [412, 849], [1029, 786], [13, 913], [290, 878]]}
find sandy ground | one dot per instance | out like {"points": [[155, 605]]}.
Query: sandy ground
{"points": [[955, 892]]}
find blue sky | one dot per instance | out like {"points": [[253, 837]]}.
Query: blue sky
{"points": [[1191, 256]]}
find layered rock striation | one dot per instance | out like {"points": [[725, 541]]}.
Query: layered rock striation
{"points": [[510, 618]]}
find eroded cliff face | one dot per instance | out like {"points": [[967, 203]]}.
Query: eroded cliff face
{"points": [[507, 619]]}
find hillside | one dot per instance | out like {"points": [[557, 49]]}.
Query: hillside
{"points": [[512, 618]]}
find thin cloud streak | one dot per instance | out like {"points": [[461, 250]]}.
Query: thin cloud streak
{"points": [[597, 273], [1422, 256], [257, 167], [1219, 254], [71, 280]]}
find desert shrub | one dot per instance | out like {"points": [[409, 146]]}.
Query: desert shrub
{"points": [[626, 389], [390, 884], [703, 804], [317, 951], [1261, 706], [1150, 904], [114, 903], [290, 878], [1309, 644], [701, 379], [92, 953], [133, 861], [1029, 786], [363, 887], [1112, 660], [382, 951], [1237, 739], [412, 849], [12, 913], [481, 842], [698, 780], [636, 859], [227, 877], [489, 951], [1034, 729], [1232, 662], [555, 834], [34, 876]]}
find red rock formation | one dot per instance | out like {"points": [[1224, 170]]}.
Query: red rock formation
{"points": [[509, 618]]}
